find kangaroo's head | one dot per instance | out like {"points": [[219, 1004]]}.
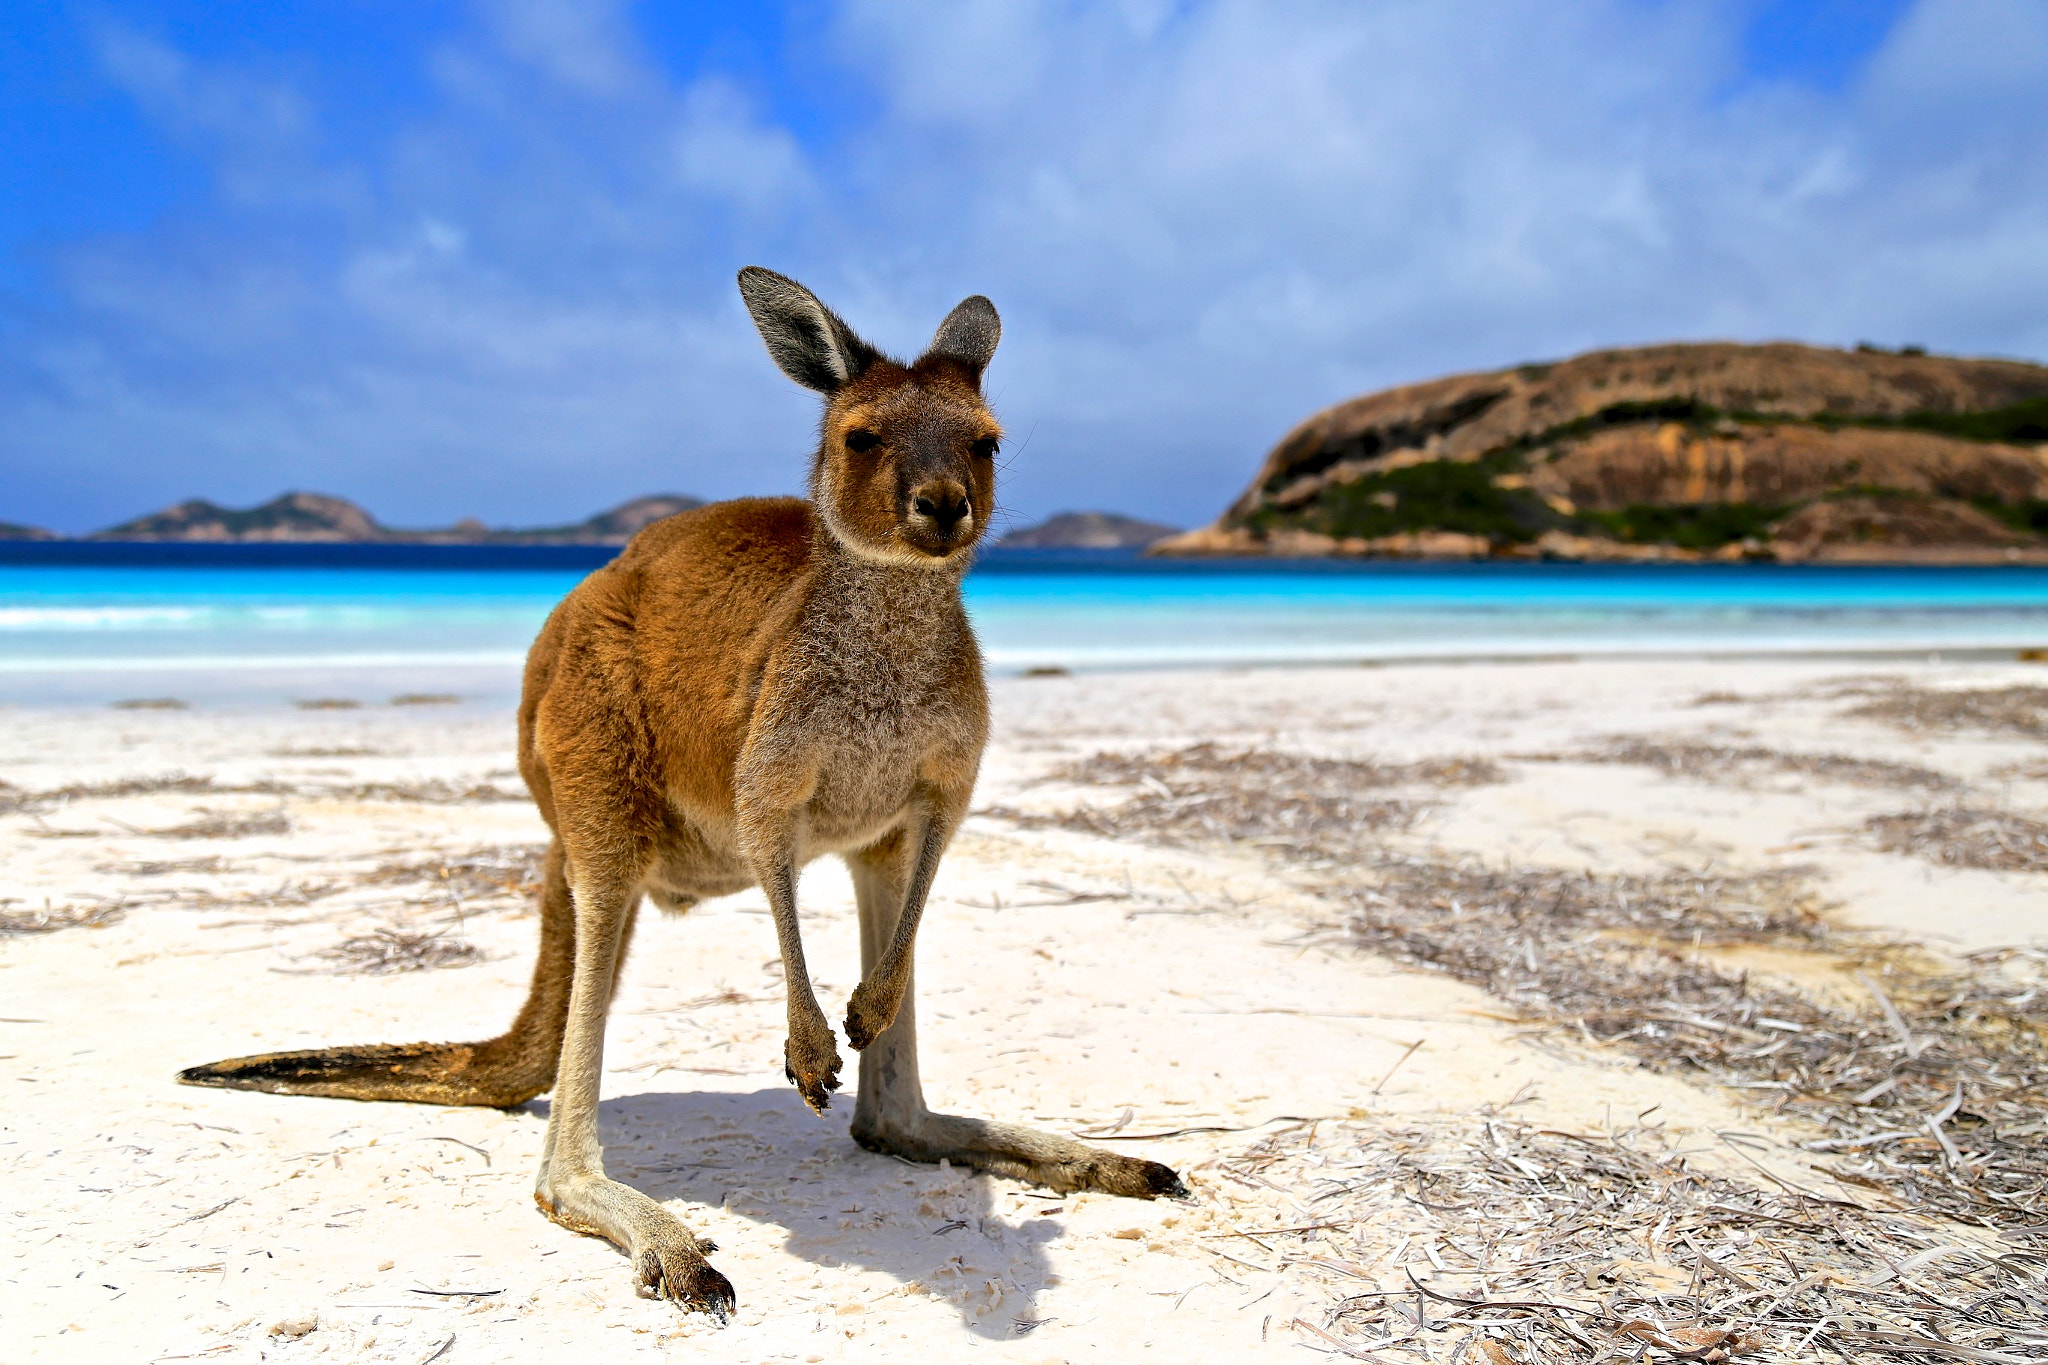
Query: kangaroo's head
{"points": [[906, 464]]}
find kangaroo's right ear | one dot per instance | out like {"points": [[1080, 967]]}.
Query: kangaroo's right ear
{"points": [[806, 338]]}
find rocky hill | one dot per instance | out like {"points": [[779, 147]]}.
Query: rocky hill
{"points": [[14, 531], [615, 527], [319, 517], [1714, 450], [294, 516], [1088, 531]]}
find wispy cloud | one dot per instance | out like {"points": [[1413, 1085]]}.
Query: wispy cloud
{"points": [[1200, 219]]}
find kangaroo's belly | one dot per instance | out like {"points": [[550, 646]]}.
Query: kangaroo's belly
{"points": [[856, 802]]}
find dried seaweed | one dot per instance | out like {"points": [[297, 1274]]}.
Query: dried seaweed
{"points": [[480, 875], [1965, 836], [1928, 1088], [1930, 1092], [2017, 711], [1718, 697], [166, 867], [20, 800], [49, 920], [1206, 793], [384, 951], [1493, 1240], [227, 824], [1740, 764], [431, 791]]}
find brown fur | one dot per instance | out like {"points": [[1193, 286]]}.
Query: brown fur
{"points": [[749, 686]]}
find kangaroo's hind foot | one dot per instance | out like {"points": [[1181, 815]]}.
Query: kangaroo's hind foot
{"points": [[1058, 1163]]}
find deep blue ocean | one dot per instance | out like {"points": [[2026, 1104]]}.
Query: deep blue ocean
{"points": [[90, 622]]}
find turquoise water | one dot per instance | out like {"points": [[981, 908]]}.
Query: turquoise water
{"points": [[88, 630]]}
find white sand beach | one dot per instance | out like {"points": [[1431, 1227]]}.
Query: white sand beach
{"points": [[1187, 1000]]}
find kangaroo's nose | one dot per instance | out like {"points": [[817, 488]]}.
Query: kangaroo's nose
{"points": [[943, 504]]}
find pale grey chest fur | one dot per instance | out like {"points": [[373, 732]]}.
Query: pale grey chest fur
{"points": [[878, 685]]}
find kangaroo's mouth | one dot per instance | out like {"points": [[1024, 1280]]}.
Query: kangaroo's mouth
{"points": [[937, 542]]}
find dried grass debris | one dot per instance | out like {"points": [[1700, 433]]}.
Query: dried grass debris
{"points": [[1209, 793], [1744, 764], [436, 791], [483, 874], [386, 950], [2020, 711], [49, 919], [1929, 1092], [429, 792], [227, 824], [1927, 1088], [1495, 1240], [20, 800], [1718, 697], [1965, 836]]}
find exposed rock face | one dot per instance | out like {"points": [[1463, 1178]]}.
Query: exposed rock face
{"points": [[1678, 451], [1089, 531], [318, 517]]}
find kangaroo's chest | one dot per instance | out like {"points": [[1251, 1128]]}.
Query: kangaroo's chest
{"points": [[874, 727], [870, 756]]}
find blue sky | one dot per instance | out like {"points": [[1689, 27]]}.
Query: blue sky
{"points": [[476, 259]]}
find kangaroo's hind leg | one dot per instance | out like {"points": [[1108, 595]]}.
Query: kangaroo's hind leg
{"points": [[573, 1189], [890, 1114]]}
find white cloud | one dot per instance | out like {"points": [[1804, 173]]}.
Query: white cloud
{"points": [[1201, 220], [584, 45]]}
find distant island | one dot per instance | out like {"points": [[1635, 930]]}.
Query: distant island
{"points": [[1775, 452], [1088, 531], [319, 518]]}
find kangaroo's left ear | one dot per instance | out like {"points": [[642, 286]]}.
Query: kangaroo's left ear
{"points": [[969, 334]]}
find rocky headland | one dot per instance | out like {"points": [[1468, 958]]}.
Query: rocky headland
{"points": [[1693, 451]]}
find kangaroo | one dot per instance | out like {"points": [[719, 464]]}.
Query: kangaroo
{"points": [[751, 685]]}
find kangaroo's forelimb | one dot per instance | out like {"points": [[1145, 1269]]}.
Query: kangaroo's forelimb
{"points": [[885, 981]]}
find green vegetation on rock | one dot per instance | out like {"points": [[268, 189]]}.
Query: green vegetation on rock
{"points": [[1689, 526], [2021, 424], [1434, 495], [2025, 514]]}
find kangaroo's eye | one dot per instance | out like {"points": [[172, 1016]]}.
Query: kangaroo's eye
{"points": [[985, 448], [860, 440]]}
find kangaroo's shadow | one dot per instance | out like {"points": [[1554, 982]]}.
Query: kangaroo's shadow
{"points": [[763, 1155]]}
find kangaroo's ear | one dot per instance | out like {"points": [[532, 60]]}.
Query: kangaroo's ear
{"points": [[969, 334], [806, 338]]}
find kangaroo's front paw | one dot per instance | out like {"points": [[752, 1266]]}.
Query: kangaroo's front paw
{"points": [[812, 1065], [869, 1013], [682, 1276]]}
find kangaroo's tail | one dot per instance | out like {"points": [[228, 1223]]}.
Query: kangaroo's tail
{"points": [[508, 1070]]}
